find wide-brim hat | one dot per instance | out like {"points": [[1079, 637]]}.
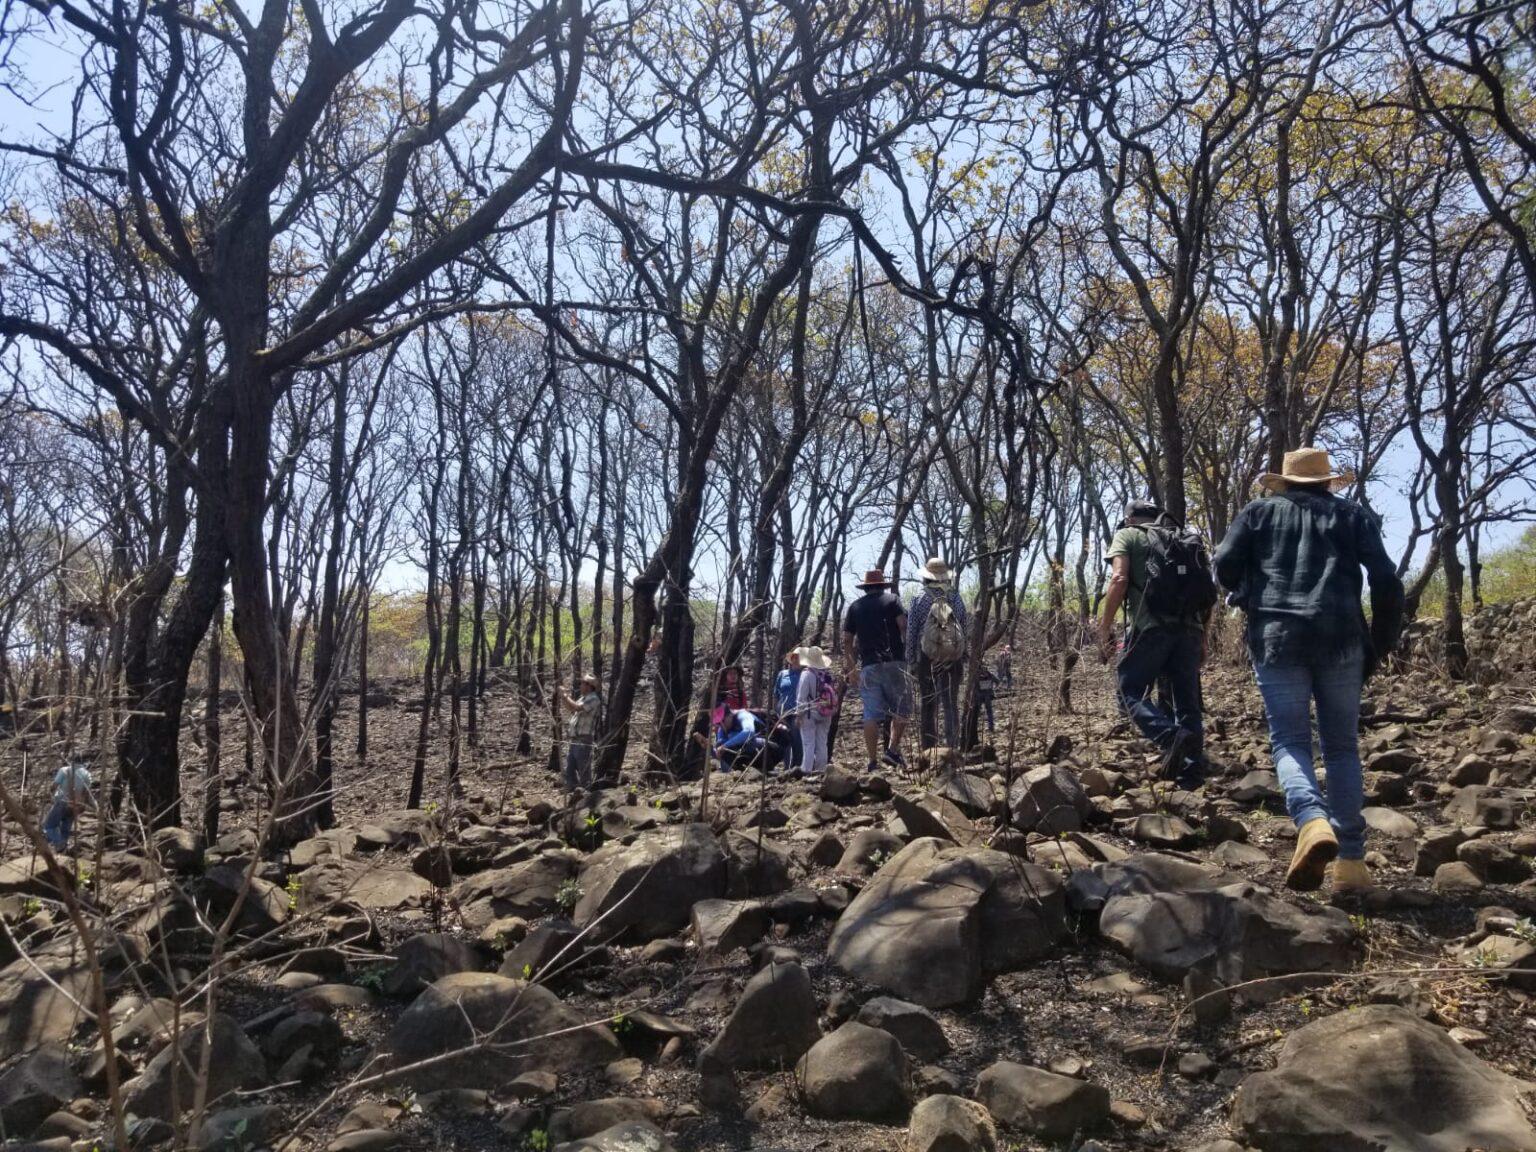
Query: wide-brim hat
{"points": [[811, 656], [936, 572], [874, 578], [590, 678], [1305, 466]]}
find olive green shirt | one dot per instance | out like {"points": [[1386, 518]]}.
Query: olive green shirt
{"points": [[1132, 544]]}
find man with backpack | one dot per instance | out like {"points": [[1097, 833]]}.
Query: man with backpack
{"points": [[1161, 574], [817, 702], [936, 646]]}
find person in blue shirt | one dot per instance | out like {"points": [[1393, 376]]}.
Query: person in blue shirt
{"points": [[786, 689], [739, 740]]}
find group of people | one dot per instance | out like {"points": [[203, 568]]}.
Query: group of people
{"points": [[1292, 562]]}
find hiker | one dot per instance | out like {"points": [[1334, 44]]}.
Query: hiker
{"points": [[71, 792], [816, 704], [1161, 574], [739, 738], [936, 646], [588, 708], [874, 628], [786, 686], [1292, 561], [986, 691], [730, 692], [1005, 666]]}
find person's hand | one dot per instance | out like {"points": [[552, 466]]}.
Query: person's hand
{"points": [[1106, 646], [1204, 648], [853, 677]]}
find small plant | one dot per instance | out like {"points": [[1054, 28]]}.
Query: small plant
{"points": [[527, 971], [1524, 930], [593, 821], [294, 886], [31, 906], [431, 807], [568, 895], [878, 857], [1360, 922], [372, 978], [537, 1141], [622, 1025], [1485, 958], [1306, 1008], [657, 804]]}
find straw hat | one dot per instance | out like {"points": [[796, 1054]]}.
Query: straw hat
{"points": [[1305, 466], [811, 656], [874, 578], [590, 678], [936, 572]]}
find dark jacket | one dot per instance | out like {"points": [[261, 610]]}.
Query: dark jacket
{"points": [[1293, 561]]}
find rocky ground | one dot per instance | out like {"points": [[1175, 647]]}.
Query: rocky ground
{"points": [[1030, 948]]}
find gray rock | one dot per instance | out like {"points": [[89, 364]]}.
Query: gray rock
{"points": [[545, 954], [937, 921], [234, 1064], [772, 1025], [264, 908], [921, 1036], [1456, 879], [630, 1136], [648, 889], [722, 926], [1049, 800], [1042, 1102], [973, 795], [1438, 846], [527, 889], [1379, 1077], [753, 869], [1482, 806], [856, 1073], [1174, 917], [1163, 831], [498, 1028], [868, 850], [951, 1124], [41, 1007], [236, 1129], [826, 851], [41, 1083], [425, 958], [1390, 823]]}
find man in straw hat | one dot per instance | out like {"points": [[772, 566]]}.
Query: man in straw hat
{"points": [[588, 709], [1292, 561], [935, 644], [874, 629]]}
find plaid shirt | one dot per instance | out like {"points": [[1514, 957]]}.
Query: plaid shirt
{"points": [[917, 616], [1292, 561]]}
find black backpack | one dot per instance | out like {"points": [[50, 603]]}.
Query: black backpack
{"points": [[1179, 579]]}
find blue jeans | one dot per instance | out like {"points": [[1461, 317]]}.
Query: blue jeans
{"points": [[1288, 691], [59, 825], [1171, 655]]}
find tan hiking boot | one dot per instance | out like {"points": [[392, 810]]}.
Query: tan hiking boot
{"points": [[1352, 878], [1316, 846]]}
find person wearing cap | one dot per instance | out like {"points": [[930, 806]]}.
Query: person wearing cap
{"points": [[937, 684], [816, 704], [1292, 561], [1160, 649], [588, 708], [874, 633]]}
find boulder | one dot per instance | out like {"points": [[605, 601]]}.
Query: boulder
{"points": [[1034, 1100], [527, 889], [425, 958], [868, 850], [932, 815], [753, 868], [238, 1128], [39, 1007], [856, 1073], [973, 795], [1482, 807], [1456, 880], [1163, 831], [772, 1025], [503, 1026], [42, 1083], [630, 1136], [648, 888], [234, 1064], [1048, 799], [921, 1036], [1377, 1076], [1390, 823], [545, 954], [368, 884], [951, 1124], [264, 908], [1174, 917], [937, 921], [724, 925]]}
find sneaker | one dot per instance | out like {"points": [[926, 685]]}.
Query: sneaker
{"points": [[895, 758], [1182, 747]]}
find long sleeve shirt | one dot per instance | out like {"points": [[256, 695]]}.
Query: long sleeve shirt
{"points": [[1293, 562], [745, 733], [917, 616]]}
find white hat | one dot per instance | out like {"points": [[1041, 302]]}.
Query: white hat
{"points": [[813, 657], [936, 572]]}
